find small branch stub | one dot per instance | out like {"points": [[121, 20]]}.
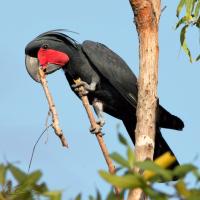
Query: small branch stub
{"points": [[52, 109]]}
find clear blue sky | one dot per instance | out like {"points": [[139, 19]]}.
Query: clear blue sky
{"points": [[24, 107]]}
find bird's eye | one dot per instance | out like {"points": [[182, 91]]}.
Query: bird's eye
{"points": [[45, 46]]}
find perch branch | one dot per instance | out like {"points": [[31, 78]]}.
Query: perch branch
{"points": [[99, 136], [146, 17], [52, 109]]}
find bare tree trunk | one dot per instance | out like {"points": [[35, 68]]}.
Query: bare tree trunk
{"points": [[146, 15]]}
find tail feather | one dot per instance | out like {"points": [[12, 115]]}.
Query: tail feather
{"points": [[161, 146], [167, 120]]}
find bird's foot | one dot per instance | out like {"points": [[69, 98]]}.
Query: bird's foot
{"points": [[95, 130], [81, 91], [101, 122], [83, 88]]}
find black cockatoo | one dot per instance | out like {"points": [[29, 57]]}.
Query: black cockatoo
{"points": [[109, 83]]}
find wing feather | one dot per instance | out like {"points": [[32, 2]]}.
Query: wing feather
{"points": [[113, 68]]}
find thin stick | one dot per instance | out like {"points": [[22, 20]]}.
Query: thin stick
{"points": [[33, 151], [52, 108], [99, 137]]}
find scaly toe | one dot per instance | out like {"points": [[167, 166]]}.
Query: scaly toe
{"points": [[95, 130], [101, 122]]}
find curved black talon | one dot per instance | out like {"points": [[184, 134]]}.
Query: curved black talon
{"points": [[101, 122], [95, 130]]}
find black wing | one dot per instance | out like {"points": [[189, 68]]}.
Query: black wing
{"points": [[113, 68]]}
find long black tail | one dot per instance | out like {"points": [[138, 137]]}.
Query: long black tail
{"points": [[162, 147], [167, 120], [160, 144]]}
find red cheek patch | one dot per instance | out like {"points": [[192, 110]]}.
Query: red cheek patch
{"points": [[46, 56]]}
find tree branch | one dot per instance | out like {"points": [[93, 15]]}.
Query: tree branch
{"points": [[52, 109], [99, 136], [146, 15]]}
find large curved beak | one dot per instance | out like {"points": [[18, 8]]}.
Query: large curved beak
{"points": [[32, 66]]}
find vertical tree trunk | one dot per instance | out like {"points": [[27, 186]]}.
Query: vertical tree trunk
{"points": [[146, 15]]}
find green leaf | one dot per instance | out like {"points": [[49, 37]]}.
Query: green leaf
{"points": [[198, 57], [78, 197], [183, 42], [197, 9], [53, 195], [91, 197], [182, 170], [111, 195], [2, 197], [153, 194], [183, 20], [180, 6], [40, 189], [34, 177], [120, 160], [131, 157], [29, 182], [127, 181], [165, 160], [197, 175], [198, 23], [189, 5], [122, 139], [193, 6], [182, 189], [159, 172], [3, 169], [18, 174], [194, 194], [98, 195], [25, 195]]}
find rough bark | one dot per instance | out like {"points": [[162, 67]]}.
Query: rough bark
{"points": [[146, 17]]}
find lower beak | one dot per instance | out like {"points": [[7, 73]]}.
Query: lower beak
{"points": [[32, 66], [51, 68]]}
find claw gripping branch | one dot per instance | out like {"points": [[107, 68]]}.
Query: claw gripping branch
{"points": [[52, 109]]}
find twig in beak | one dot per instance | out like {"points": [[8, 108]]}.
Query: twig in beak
{"points": [[52, 109]]}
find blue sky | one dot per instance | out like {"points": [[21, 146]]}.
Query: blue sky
{"points": [[24, 107]]}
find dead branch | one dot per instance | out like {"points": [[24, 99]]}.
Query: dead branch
{"points": [[52, 109], [99, 136]]}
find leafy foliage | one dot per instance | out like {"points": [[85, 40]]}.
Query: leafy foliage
{"points": [[191, 18], [153, 172], [27, 186]]}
